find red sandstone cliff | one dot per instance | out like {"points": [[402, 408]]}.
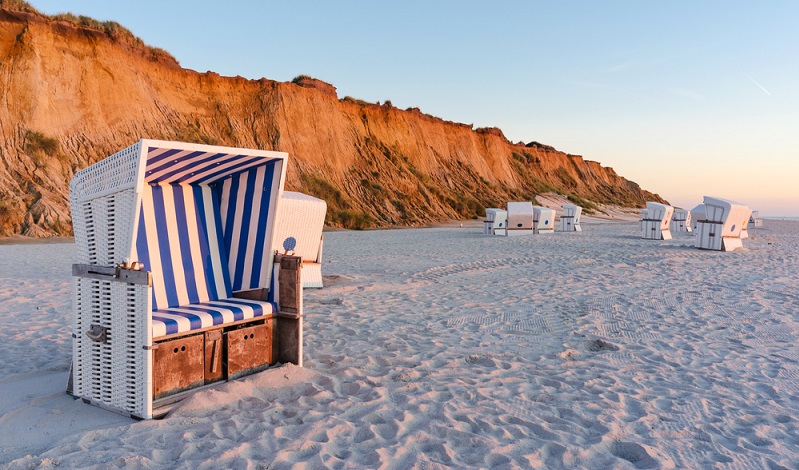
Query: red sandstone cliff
{"points": [[71, 95]]}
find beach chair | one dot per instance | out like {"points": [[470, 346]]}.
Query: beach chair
{"points": [[722, 225], [570, 220], [754, 220], [495, 222], [520, 218], [301, 218], [697, 214], [658, 219], [643, 217], [681, 221], [176, 286], [543, 220]]}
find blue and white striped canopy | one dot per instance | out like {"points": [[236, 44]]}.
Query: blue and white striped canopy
{"points": [[180, 166]]}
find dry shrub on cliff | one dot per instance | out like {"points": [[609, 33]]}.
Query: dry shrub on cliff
{"points": [[37, 142], [18, 5], [588, 207], [112, 29], [11, 217], [339, 211]]}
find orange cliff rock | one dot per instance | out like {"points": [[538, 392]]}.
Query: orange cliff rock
{"points": [[73, 94]]}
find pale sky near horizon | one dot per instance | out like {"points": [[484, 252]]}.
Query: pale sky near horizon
{"points": [[684, 98]]}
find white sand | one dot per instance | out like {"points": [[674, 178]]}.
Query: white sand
{"points": [[440, 347]]}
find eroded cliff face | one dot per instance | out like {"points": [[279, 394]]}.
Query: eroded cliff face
{"points": [[72, 95]]}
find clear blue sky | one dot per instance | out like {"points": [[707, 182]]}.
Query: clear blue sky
{"points": [[686, 98]]}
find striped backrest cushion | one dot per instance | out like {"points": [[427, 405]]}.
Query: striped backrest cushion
{"points": [[179, 240], [247, 223]]}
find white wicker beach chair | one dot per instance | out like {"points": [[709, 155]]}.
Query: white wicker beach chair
{"points": [[495, 222], [543, 220], [570, 220], [658, 219], [176, 284], [722, 225], [754, 220], [520, 218], [697, 214], [681, 221], [643, 218], [302, 218]]}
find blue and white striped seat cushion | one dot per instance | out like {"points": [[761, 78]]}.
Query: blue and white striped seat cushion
{"points": [[175, 320]]}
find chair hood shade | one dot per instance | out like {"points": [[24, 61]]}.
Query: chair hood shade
{"points": [[723, 224], [570, 220], [495, 222], [302, 217], [520, 218], [543, 220], [174, 251], [656, 224], [681, 221]]}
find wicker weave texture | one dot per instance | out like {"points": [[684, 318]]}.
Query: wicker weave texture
{"points": [[302, 217], [311, 275]]}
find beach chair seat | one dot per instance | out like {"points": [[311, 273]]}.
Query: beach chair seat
{"points": [[202, 316], [722, 224], [176, 273], [495, 222], [570, 220], [681, 221], [520, 218], [754, 220], [697, 214], [543, 220], [657, 222], [301, 218]]}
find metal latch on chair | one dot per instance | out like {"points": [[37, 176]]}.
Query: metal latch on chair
{"points": [[129, 273], [98, 333]]}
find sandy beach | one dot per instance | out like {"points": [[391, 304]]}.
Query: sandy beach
{"points": [[440, 347]]}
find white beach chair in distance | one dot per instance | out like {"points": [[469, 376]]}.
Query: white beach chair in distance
{"points": [[697, 214], [302, 217], [754, 220], [543, 220], [658, 219], [721, 228], [570, 220], [520, 218], [643, 217], [681, 221], [495, 222], [176, 285]]}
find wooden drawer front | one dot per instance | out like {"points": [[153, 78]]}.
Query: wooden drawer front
{"points": [[178, 365], [249, 349], [213, 356]]}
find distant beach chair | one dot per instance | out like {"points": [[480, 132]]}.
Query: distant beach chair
{"points": [[697, 214], [570, 220], [754, 220], [176, 285], [658, 219], [495, 222], [302, 218], [722, 225], [643, 217], [681, 221], [520, 218], [543, 220]]}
